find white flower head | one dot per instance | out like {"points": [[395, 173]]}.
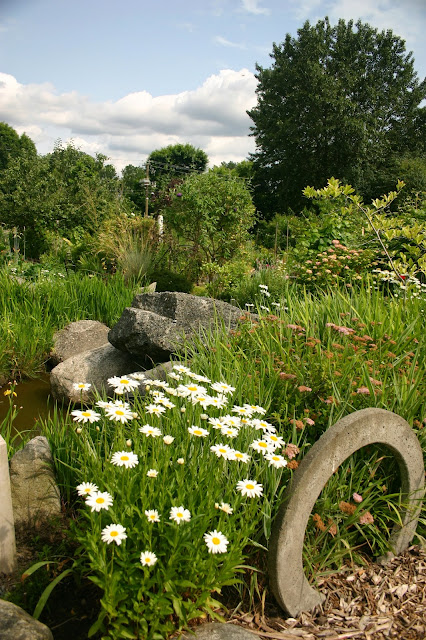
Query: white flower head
{"points": [[222, 387], [86, 488], [155, 409], [125, 383], [222, 450], [152, 515], [216, 542], [277, 441], [180, 461], [225, 507], [256, 409], [180, 368], [231, 432], [99, 500], [242, 411], [219, 401], [88, 415], [154, 432], [264, 446], [180, 514], [81, 386], [275, 460], [125, 459], [198, 431], [232, 421], [239, 456], [152, 473], [250, 488], [119, 414], [114, 533], [138, 375], [168, 439], [148, 558]]}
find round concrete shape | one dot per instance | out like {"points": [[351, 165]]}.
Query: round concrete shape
{"points": [[357, 430]]}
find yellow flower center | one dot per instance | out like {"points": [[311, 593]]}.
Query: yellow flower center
{"points": [[273, 438], [87, 489], [152, 517], [238, 455], [249, 486], [124, 458], [197, 432], [179, 515], [86, 414], [263, 444], [222, 450], [275, 458], [192, 388], [113, 533], [119, 412], [215, 540], [100, 500], [147, 560], [81, 386], [124, 381]]}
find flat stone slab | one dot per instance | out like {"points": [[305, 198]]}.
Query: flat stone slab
{"points": [[76, 337], [368, 426], [35, 494], [220, 631], [7, 523], [157, 324], [17, 624]]}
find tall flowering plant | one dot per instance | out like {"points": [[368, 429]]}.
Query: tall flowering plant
{"points": [[175, 486]]}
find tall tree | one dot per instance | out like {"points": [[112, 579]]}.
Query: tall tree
{"points": [[175, 162], [337, 101], [12, 145]]}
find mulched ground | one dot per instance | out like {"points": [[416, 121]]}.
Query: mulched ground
{"points": [[367, 603]]}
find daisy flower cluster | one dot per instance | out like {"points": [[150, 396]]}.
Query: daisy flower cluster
{"points": [[178, 423]]}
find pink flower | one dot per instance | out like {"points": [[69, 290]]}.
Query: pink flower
{"points": [[291, 450], [364, 390], [302, 388], [309, 421], [357, 497], [366, 518]]}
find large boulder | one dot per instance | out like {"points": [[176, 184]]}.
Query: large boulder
{"points": [[220, 631], [76, 337], [93, 367], [35, 494], [17, 624], [157, 324]]}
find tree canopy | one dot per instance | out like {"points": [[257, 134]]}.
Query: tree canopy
{"points": [[337, 101]]}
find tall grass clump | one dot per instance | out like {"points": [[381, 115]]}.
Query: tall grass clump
{"points": [[34, 308]]}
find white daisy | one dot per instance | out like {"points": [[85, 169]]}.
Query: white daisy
{"points": [[98, 500], [275, 460], [202, 400], [152, 473], [139, 375], [155, 409], [232, 421], [180, 514], [152, 515], [263, 425], [120, 414], [225, 507], [154, 432], [216, 423], [168, 439], [221, 450], [159, 383], [174, 376], [166, 403], [81, 386], [239, 456], [277, 441], [242, 411], [85, 416], [180, 368], [180, 461], [114, 533], [222, 387], [85, 488], [125, 459], [256, 409], [250, 488], [125, 383], [231, 432], [148, 558], [263, 446], [192, 390], [216, 542], [219, 402], [198, 431]]}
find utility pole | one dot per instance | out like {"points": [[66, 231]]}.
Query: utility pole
{"points": [[146, 183]]}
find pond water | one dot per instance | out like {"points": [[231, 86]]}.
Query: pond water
{"points": [[34, 398]]}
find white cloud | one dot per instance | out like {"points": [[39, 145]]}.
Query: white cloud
{"points": [[212, 117], [251, 6], [227, 43]]}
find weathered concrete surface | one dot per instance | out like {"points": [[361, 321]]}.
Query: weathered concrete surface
{"points": [[7, 524], [156, 324], [16, 624], [76, 337], [369, 426], [94, 367], [35, 494], [220, 631]]}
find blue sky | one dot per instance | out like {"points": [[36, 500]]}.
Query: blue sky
{"points": [[125, 77]]}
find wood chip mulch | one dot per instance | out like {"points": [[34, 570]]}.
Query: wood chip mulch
{"points": [[365, 603]]}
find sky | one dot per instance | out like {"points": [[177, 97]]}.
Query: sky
{"points": [[126, 77]]}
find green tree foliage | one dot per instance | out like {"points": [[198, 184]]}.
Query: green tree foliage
{"points": [[170, 165], [212, 214], [12, 146], [64, 191], [337, 101], [132, 186]]}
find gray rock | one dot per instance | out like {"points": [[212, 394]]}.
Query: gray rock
{"points": [[76, 337], [17, 624], [35, 494], [220, 631], [157, 324], [93, 367]]}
